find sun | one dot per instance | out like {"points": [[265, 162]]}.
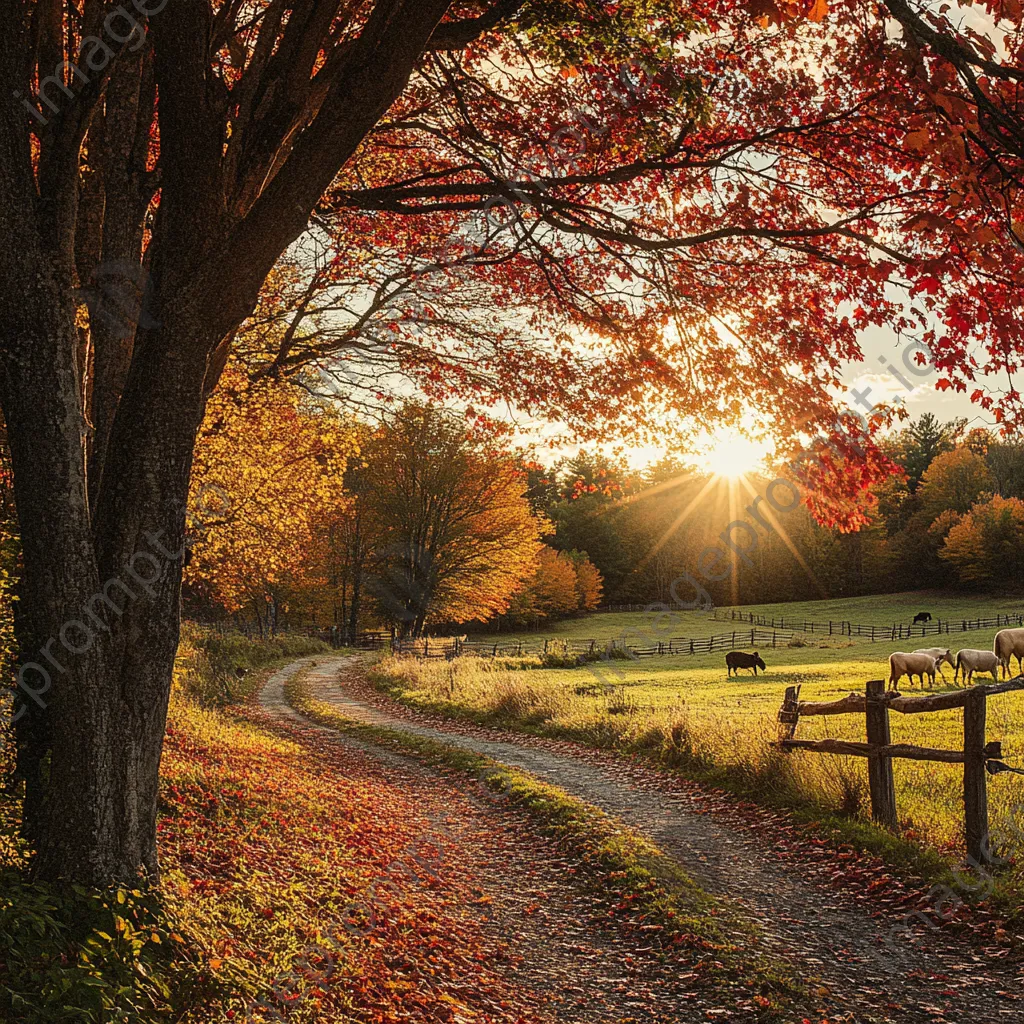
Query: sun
{"points": [[728, 452]]}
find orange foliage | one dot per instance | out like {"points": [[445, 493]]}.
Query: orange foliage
{"points": [[455, 538], [589, 585], [987, 545], [554, 585], [268, 468], [314, 876], [562, 582]]}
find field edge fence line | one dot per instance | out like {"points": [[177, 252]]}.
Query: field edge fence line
{"points": [[764, 632], [452, 647], [874, 633]]}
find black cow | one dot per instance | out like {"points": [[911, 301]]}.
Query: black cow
{"points": [[922, 617], [735, 660]]}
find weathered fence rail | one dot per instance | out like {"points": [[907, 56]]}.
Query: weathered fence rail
{"points": [[367, 639], [979, 757], [763, 632], [874, 633], [654, 607]]}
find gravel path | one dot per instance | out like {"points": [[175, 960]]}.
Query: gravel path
{"points": [[541, 934], [825, 935]]}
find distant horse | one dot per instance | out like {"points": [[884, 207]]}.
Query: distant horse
{"points": [[922, 617], [735, 660]]}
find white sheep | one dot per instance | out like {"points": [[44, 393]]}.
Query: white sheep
{"points": [[940, 654], [1009, 643]]}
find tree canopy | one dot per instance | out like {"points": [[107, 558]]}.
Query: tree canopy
{"points": [[454, 538]]}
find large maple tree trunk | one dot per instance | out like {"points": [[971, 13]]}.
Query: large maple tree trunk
{"points": [[99, 629]]}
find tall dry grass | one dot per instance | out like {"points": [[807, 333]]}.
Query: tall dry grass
{"points": [[710, 730]]}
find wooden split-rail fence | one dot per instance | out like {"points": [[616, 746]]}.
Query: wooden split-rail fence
{"points": [[449, 647], [979, 756], [763, 632], [876, 634]]}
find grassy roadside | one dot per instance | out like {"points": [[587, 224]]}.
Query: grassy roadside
{"points": [[293, 867], [768, 779], [640, 887]]}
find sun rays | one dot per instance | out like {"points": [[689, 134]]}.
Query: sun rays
{"points": [[731, 453]]}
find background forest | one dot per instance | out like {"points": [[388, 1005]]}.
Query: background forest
{"points": [[422, 520]]}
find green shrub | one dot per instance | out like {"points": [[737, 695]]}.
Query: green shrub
{"points": [[90, 956]]}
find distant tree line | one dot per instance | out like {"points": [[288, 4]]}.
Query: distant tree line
{"points": [[951, 514]]}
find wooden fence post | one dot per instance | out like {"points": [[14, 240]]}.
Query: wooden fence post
{"points": [[789, 716], [880, 779], [975, 785]]}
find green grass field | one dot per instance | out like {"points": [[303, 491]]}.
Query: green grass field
{"points": [[883, 610], [686, 710]]}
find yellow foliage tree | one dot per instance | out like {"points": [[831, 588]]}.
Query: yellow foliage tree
{"points": [[987, 544], [562, 582], [555, 583], [454, 538], [268, 474], [953, 482], [589, 583]]}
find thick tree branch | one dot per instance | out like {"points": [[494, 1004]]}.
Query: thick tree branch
{"points": [[376, 70], [457, 35]]}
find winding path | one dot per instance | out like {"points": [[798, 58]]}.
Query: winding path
{"points": [[537, 929], [848, 953]]}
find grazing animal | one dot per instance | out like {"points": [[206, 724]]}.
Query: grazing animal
{"points": [[910, 665], [1009, 643], [940, 654], [735, 660], [970, 661], [922, 617]]}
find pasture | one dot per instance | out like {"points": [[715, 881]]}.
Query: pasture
{"points": [[881, 610], [686, 709]]}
